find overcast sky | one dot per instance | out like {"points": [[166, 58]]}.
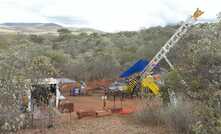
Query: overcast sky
{"points": [[106, 15]]}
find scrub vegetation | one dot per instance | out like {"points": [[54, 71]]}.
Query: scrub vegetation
{"points": [[197, 59]]}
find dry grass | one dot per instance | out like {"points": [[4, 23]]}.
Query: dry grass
{"points": [[149, 113], [178, 119]]}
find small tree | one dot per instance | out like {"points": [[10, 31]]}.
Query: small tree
{"points": [[64, 33], [41, 67]]}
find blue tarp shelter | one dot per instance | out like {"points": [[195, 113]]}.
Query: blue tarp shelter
{"points": [[137, 67]]}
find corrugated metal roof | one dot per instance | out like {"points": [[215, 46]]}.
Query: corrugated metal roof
{"points": [[65, 80]]}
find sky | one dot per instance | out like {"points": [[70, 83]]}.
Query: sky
{"points": [[106, 15]]}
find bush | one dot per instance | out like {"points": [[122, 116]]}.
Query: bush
{"points": [[178, 119], [150, 113]]}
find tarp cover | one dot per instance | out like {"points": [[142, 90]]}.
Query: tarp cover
{"points": [[137, 67], [149, 83]]}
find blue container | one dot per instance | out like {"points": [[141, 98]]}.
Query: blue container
{"points": [[75, 91]]}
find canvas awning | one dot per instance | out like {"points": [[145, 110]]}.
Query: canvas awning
{"points": [[135, 68]]}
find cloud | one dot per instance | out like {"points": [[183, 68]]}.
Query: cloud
{"points": [[107, 15]]}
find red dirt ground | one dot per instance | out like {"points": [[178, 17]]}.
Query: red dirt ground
{"points": [[95, 103], [114, 124]]}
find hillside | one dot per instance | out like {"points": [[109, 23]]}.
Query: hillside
{"points": [[105, 51], [40, 28]]}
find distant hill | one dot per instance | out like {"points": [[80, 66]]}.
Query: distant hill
{"points": [[40, 28], [30, 24]]}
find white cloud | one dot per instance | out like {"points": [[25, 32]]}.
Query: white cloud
{"points": [[107, 15]]}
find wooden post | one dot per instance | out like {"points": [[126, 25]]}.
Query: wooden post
{"points": [[121, 102], [104, 98], [114, 101]]}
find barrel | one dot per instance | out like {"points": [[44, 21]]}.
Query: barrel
{"points": [[75, 91]]}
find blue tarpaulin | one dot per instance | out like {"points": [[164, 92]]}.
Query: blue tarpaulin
{"points": [[137, 67]]}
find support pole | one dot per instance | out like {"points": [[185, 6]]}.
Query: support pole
{"points": [[57, 95], [169, 63]]}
